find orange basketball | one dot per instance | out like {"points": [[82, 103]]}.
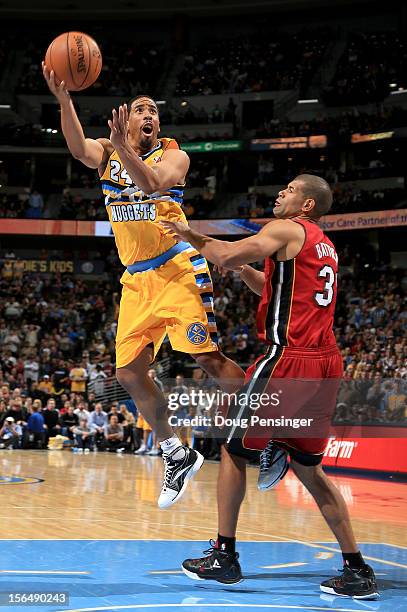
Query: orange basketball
{"points": [[75, 58]]}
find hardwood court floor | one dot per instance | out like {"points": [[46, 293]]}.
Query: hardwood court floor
{"points": [[108, 496]]}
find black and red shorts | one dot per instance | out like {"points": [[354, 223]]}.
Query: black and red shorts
{"points": [[297, 389]]}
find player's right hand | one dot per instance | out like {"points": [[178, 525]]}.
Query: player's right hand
{"points": [[58, 90]]}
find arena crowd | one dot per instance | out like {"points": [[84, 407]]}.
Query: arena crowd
{"points": [[57, 356]]}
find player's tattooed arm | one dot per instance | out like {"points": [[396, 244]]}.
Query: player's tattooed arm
{"points": [[271, 238]]}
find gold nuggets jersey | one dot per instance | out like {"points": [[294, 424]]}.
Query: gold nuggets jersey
{"points": [[134, 215]]}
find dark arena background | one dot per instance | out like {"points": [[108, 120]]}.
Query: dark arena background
{"points": [[256, 93]]}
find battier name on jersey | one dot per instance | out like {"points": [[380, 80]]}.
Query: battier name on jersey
{"points": [[325, 250]]}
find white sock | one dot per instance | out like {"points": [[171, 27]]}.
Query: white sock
{"points": [[170, 444]]}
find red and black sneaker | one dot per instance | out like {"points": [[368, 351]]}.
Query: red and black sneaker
{"points": [[219, 565], [359, 583]]}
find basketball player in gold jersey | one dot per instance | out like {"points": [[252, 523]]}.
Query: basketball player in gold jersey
{"points": [[167, 288]]}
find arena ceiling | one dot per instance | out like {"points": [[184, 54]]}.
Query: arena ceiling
{"points": [[65, 8]]}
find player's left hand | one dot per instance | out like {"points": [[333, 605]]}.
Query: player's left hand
{"points": [[180, 231], [119, 126], [222, 271]]}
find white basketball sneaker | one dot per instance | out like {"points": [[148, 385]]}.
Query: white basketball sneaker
{"points": [[179, 467], [273, 467]]}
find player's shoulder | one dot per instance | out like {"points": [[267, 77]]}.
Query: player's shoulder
{"points": [[173, 153], [106, 144], [108, 150], [169, 143], [286, 227]]}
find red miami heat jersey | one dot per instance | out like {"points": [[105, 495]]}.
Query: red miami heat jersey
{"points": [[298, 300]]}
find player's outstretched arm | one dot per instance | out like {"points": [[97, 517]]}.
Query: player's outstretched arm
{"points": [[90, 152], [271, 238]]}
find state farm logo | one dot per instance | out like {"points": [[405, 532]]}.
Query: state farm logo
{"points": [[340, 448]]}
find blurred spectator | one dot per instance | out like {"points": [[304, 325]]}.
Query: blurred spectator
{"points": [[31, 370], [17, 411], [114, 411], [81, 411], [129, 426], [84, 435], [97, 380], [35, 205], [10, 434], [395, 401], [51, 420], [78, 376], [114, 435], [68, 421], [98, 421], [45, 386], [34, 434]]}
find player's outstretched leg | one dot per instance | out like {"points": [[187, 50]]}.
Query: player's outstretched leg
{"points": [[180, 462], [357, 579]]}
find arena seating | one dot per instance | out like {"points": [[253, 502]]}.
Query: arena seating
{"points": [[60, 322], [371, 63], [262, 62], [344, 124], [128, 69]]}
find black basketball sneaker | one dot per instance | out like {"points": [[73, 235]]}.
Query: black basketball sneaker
{"points": [[179, 467], [273, 466], [354, 582], [218, 565]]}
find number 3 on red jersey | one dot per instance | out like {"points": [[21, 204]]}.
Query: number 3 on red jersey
{"points": [[325, 297]]}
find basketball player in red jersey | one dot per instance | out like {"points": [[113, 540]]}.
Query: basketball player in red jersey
{"points": [[295, 318]]}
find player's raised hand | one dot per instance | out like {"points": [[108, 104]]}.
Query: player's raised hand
{"points": [[118, 125], [59, 90], [180, 231]]}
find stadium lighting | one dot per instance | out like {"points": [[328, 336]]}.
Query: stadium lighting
{"points": [[160, 102], [5, 106], [393, 85], [310, 101], [54, 131], [184, 103]]}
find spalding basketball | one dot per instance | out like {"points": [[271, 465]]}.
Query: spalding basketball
{"points": [[75, 58]]}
